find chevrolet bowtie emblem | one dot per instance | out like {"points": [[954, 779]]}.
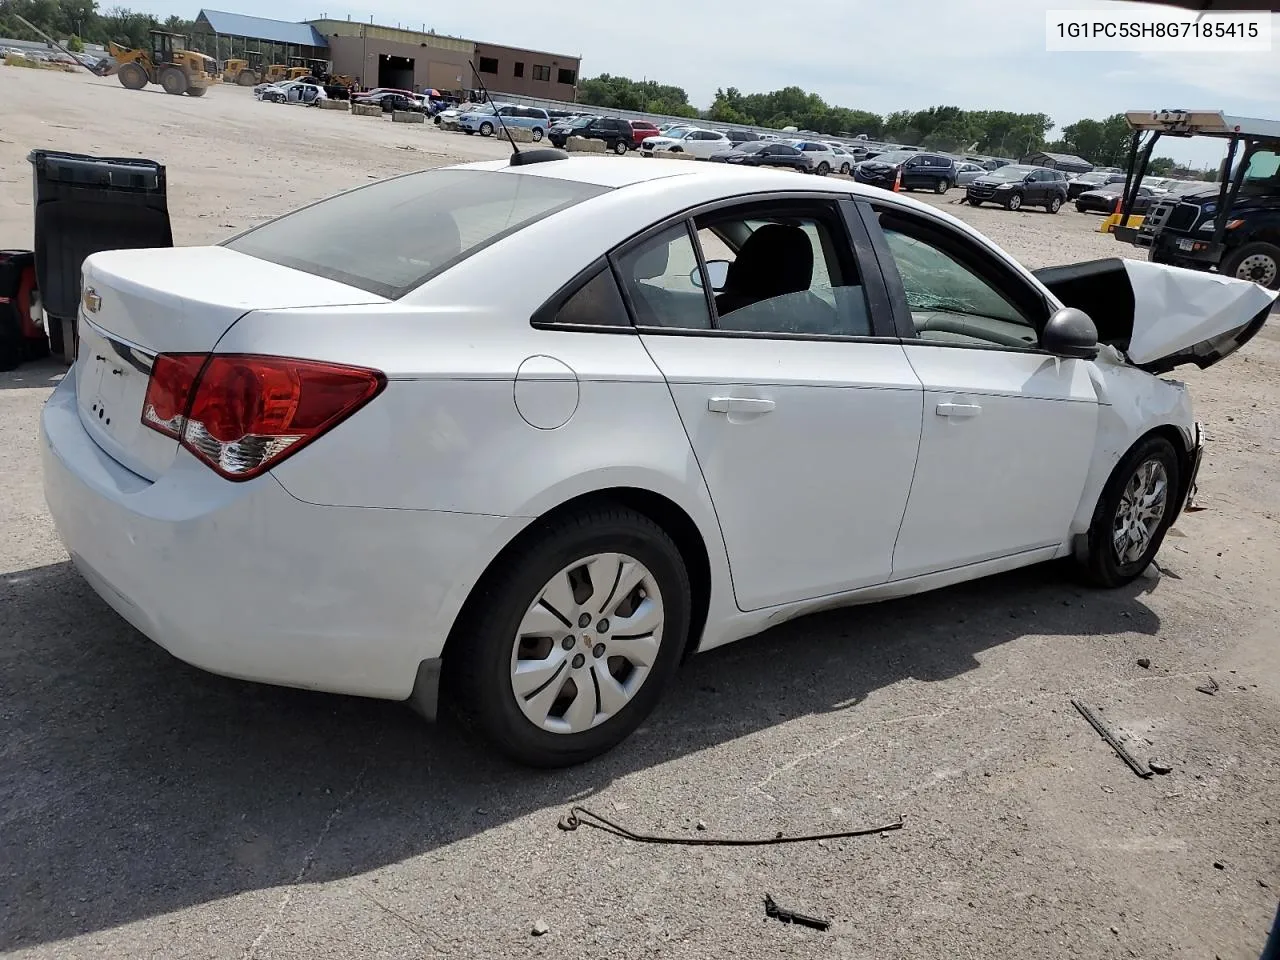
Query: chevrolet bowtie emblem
{"points": [[92, 302]]}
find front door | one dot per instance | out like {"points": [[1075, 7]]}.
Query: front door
{"points": [[1008, 431], [806, 438]]}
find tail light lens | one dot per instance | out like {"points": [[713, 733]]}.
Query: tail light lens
{"points": [[243, 414]]}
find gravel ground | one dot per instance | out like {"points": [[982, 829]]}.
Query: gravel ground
{"points": [[148, 809]]}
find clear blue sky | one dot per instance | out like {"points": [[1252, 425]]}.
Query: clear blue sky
{"points": [[865, 54]]}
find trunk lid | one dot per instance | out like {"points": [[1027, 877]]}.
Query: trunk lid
{"points": [[138, 303], [1160, 316]]}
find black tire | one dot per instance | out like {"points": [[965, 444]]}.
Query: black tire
{"points": [[486, 129], [844, 169], [824, 168], [478, 661], [1054, 205], [197, 91], [941, 186], [620, 148], [174, 81], [1080, 208], [1014, 202], [1259, 260], [247, 78], [131, 76], [537, 134], [676, 150], [975, 202], [1101, 566]]}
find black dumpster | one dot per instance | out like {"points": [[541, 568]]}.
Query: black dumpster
{"points": [[84, 205]]}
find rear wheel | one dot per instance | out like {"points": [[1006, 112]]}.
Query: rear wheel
{"points": [[197, 91], [1014, 202], [132, 76], [174, 81], [1259, 262], [1136, 509], [824, 168], [1054, 205], [942, 186], [570, 639], [620, 147], [247, 78], [537, 134]]}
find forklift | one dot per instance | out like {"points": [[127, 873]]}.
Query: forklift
{"points": [[1231, 226]]}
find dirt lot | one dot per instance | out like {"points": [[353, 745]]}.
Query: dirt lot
{"points": [[147, 809]]}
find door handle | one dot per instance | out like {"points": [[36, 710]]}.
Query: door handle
{"points": [[739, 405], [958, 410]]}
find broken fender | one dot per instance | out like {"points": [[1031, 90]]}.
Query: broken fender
{"points": [[1159, 316]]}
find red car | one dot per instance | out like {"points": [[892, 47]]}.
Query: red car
{"points": [[641, 129]]}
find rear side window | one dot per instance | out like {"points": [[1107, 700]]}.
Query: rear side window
{"points": [[597, 303], [390, 237]]}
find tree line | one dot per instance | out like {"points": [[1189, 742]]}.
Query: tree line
{"points": [[81, 22]]}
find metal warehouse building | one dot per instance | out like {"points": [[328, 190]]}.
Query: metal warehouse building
{"points": [[382, 56]]}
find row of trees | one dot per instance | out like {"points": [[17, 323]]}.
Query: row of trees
{"points": [[82, 22]]}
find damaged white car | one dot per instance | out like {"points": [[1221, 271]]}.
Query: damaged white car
{"points": [[531, 432]]}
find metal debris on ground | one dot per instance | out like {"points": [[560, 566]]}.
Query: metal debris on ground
{"points": [[1144, 663], [1104, 731], [1210, 688], [1159, 766], [582, 817], [776, 912]]}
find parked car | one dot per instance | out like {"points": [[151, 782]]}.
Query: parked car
{"points": [[391, 101], [1092, 180], [486, 122], [616, 133], [1104, 199], [690, 140], [762, 153], [273, 441], [640, 130], [1017, 185], [821, 158], [925, 171], [737, 137], [561, 130], [295, 91], [967, 171], [451, 114], [845, 159]]}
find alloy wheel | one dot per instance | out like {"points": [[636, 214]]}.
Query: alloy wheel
{"points": [[587, 643], [1141, 508]]}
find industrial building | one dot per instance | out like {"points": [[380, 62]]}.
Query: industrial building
{"points": [[383, 56]]}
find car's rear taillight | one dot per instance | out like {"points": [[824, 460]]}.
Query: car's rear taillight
{"points": [[243, 414]]}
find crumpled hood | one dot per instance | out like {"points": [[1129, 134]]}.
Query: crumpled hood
{"points": [[1176, 309]]}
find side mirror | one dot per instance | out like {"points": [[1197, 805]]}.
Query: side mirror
{"points": [[1070, 333], [717, 270]]}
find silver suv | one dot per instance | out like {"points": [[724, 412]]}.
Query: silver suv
{"points": [[819, 156]]}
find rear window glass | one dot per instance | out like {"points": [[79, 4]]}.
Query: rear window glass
{"points": [[390, 237]]}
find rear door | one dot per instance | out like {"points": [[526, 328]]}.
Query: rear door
{"points": [[1008, 430], [799, 403]]}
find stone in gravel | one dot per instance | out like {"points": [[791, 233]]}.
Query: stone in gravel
{"points": [[1144, 663], [701, 825], [540, 927], [1219, 865], [1159, 766]]}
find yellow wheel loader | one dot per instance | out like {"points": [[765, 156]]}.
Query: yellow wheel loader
{"points": [[242, 72], [168, 63]]}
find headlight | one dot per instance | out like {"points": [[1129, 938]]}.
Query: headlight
{"points": [[1005, 186]]}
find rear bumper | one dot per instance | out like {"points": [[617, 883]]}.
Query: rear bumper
{"points": [[244, 580]]}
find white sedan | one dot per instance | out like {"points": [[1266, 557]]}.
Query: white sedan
{"points": [[333, 453], [690, 140]]}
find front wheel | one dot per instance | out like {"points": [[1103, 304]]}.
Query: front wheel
{"points": [[569, 640], [1259, 262], [1014, 202], [1135, 511], [1055, 205], [620, 147], [197, 91], [941, 186], [174, 81], [975, 201], [824, 168], [486, 129], [844, 169]]}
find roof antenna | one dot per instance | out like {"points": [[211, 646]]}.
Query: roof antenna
{"points": [[515, 151], [518, 159]]}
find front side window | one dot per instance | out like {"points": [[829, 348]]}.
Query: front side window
{"points": [[663, 282], [390, 237], [951, 298]]}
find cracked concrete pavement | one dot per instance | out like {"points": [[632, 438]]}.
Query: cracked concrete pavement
{"points": [[148, 809]]}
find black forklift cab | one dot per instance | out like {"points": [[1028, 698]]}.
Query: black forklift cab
{"points": [[1232, 225]]}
